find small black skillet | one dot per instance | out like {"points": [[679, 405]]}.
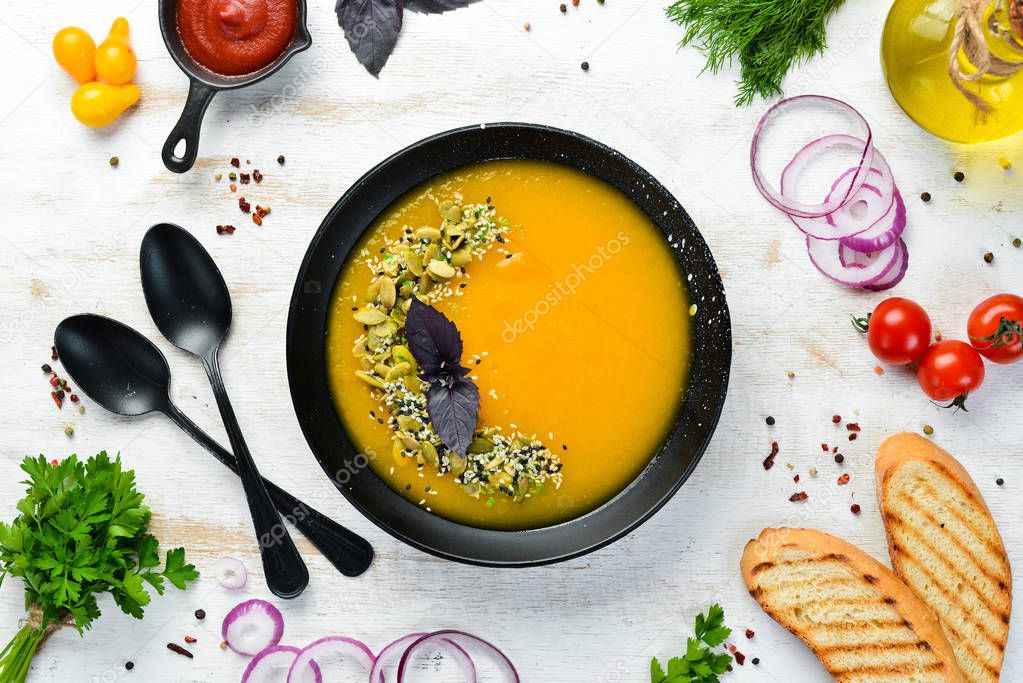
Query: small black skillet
{"points": [[204, 84]]}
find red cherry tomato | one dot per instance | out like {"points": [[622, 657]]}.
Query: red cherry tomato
{"points": [[996, 328], [899, 331], [949, 370]]}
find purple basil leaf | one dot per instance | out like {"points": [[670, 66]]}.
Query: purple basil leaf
{"points": [[371, 28], [453, 405], [436, 6], [433, 340]]}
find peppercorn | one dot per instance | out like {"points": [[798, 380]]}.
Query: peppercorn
{"points": [[989, 257], [256, 175], [855, 508], [928, 430], [74, 398], [218, 176], [46, 368], [1000, 481], [755, 660], [959, 176], [563, 8], [200, 614], [750, 633], [852, 437], [129, 665], [526, 26], [280, 159], [791, 374], [235, 162], [925, 196], [1017, 242], [836, 419], [69, 431], [585, 66], [770, 421], [114, 161], [839, 458]]}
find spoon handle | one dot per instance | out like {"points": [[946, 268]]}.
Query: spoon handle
{"points": [[285, 572], [350, 553]]}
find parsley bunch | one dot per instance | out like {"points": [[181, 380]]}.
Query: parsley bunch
{"points": [[699, 664], [82, 531]]}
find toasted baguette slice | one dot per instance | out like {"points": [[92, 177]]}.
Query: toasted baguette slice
{"points": [[945, 546], [862, 622]]}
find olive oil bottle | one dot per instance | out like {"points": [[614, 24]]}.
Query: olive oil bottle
{"points": [[949, 98]]}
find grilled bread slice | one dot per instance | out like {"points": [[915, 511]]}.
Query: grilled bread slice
{"points": [[945, 546], [862, 622]]}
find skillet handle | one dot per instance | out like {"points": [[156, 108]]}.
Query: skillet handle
{"points": [[187, 128]]}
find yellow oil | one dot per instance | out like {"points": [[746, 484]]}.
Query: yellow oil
{"points": [[914, 54]]}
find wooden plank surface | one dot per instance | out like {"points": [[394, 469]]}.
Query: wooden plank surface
{"points": [[69, 244]]}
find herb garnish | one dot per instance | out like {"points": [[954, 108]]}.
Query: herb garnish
{"points": [[699, 664], [372, 26], [82, 531], [768, 37], [453, 400]]}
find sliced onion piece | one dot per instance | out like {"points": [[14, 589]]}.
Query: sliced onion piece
{"points": [[858, 157], [897, 272], [389, 656], [313, 658], [273, 664], [848, 267], [867, 207], [884, 233], [252, 626], [230, 572], [467, 643]]}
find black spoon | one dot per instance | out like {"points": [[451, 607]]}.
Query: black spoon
{"points": [[125, 373], [190, 303]]}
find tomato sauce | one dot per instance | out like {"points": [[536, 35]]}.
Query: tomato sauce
{"points": [[235, 37]]}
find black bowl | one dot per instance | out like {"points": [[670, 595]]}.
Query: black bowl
{"points": [[307, 324], [203, 84]]}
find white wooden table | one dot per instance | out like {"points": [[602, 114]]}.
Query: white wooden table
{"points": [[69, 244]]}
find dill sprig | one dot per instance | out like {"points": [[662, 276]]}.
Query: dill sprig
{"points": [[768, 36]]}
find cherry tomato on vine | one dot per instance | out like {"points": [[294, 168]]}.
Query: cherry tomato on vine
{"points": [[996, 328], [898, 331], [949, 370]]}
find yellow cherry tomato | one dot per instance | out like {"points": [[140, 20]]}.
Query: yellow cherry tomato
{"points": [[99, 104], [115, 59], [74, 49]]}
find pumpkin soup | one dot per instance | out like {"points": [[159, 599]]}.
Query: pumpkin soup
{"points": [[575, 326]]}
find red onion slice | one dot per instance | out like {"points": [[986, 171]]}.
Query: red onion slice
{"points": [[273, 664], [897, 272], [252, 626], [884, 233], [848, 267], [230, 573], [465, 642], [868, 206], [390, 655], [862, 157], [305, 670]]}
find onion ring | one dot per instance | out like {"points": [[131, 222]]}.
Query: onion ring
{"points": [[463, 641], [252, 626], [276, 657], [349, 647]]}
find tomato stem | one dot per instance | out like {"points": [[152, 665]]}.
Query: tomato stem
{"points": [[1007, 334], [959, 403], [861, 324]]}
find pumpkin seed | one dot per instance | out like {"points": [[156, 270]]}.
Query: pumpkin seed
{"points": [[414, 263], [425, 285], [370, 379], [386, 328], [381, 369], [406, 304], [439, 270], [399, 370], [388, 293], [444, 206], [432, 253], [402, 354], [430, 453], [428, 233], [457, 463], [398, 452], [410, 443], [407, 423], [480, 445], [472, 488], [454, 213], [370, 316], [373, 291], [501, 479], [461, 257], [413, 384]]}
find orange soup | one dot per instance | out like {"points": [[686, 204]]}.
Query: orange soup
{"points": [[575, 324]]}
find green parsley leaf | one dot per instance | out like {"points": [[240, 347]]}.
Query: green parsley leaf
{"points": [[699, 664], [81, 531]]}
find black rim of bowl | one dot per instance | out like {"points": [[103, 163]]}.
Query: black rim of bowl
{"points": [[710, 348]]}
